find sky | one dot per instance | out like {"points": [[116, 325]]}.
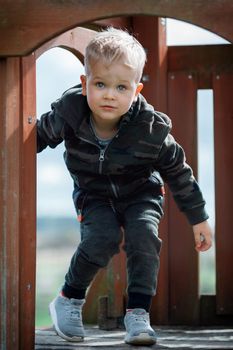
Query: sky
{"points": [[57, 70]]}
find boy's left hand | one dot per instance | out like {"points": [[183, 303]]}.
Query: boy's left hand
{"points": [[203, 236]]}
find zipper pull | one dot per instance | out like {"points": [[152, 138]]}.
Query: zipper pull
{"points": [[101, 158]]}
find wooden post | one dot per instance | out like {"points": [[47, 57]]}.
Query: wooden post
{"points": [[17, 205], [27, 205], [183, 259], [9, 201], [223, 121], [155, 91]]}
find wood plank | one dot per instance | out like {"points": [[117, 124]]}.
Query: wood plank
{"points": [[97, 289], [117, 284], [22, 29], [17, 203], [208, 315], [167, 338], [2, 200], [210, 58], [9, 201], [223, 126], [117, 22], [155, 91], [183, 264], [110, 282], [155, 72], [204, 60], [27, 214], [74, 40]]}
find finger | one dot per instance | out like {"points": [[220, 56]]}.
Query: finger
{"points": [[202, 243], [198, 241], [205, 245], [198, 245]]}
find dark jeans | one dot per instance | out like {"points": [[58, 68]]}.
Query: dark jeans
{"points": [[101, 235]]}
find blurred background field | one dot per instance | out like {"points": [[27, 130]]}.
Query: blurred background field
{"points": [[57, 239]]}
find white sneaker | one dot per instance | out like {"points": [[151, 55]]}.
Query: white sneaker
{"points": [[66, 315], [138, 329]]}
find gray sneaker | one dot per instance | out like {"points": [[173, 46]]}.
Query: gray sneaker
{"points": [[66, 315], [138, 329]]}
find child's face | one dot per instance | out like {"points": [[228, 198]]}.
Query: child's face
{"points": [[110, 91]]}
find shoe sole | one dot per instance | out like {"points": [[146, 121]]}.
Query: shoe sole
{"points": [[141, 339], [53, 315]]}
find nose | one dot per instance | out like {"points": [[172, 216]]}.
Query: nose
{"points": [[109, 94]]}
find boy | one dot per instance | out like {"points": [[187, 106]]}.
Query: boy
{"points": [[118, 150]]}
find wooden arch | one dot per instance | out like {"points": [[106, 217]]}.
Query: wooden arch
{"points": [[26, 25], [74, 40]]}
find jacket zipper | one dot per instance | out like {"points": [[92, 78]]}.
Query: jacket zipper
{"points": [[101, 160], [101, 156], [114, 188]]}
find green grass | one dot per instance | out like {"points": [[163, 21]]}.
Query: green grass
{"points": [[52, 266]]}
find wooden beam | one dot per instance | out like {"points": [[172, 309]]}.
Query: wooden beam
{"points": [[204, 60], [117, 22], [24, 26], [211, 58]]}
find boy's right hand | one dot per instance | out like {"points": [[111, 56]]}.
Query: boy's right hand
{"points": [[203, 236]]}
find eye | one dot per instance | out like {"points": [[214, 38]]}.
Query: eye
{"points": [[100, 85], [121, 87]]}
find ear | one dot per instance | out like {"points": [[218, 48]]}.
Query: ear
{"points": [[84, 84], [138, 90]]}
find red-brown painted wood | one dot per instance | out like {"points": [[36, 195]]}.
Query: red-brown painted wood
{"points": [[183, 260], [9, 201], [17, 203], [155, 91], [26, 26], [204, 60], [223, 126], [74, 40], [21, 30], [27, 205]]}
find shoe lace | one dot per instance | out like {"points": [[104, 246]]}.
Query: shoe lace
{"points": [[139, 318], [74, 314]]}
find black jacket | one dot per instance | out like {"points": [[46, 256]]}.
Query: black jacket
{"points": [[142, 152]]}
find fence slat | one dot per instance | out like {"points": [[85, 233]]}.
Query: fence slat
{"points": [[183, 263], [223, 105]]}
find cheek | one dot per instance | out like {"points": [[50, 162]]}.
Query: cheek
{"points": [[128, 100], [125, 105], [91, 98]]}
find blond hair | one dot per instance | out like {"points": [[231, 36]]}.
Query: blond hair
{"points": [[112, 45]]}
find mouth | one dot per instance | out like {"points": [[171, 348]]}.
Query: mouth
{"points": [[108, 108]]}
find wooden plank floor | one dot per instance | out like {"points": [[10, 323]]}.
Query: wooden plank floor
{"points": [[168, 338]]}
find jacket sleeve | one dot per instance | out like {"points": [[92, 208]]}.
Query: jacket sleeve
{"points": [[179, 177], [50, 129]]}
